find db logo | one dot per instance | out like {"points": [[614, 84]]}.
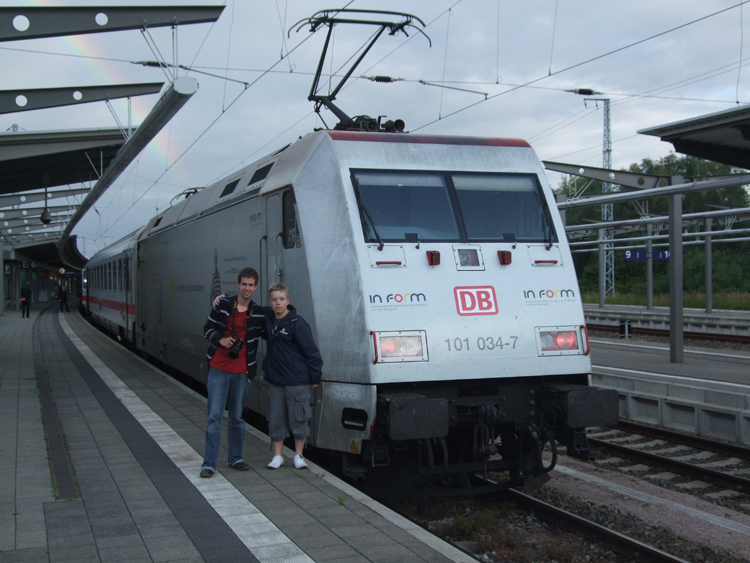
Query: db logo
{"points": [[479, 300]]}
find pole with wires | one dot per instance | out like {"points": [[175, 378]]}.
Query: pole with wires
{"points": [[607, 269]]}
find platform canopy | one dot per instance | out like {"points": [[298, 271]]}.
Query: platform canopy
{"points": [[55, 160], [35, 160], [723, 136]]}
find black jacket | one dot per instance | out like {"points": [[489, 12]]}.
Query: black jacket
{"points": [[216, 325], [26, 293], [292, 357]]}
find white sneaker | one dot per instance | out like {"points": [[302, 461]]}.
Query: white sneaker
{"points": [[276, 462], [299, 462]]}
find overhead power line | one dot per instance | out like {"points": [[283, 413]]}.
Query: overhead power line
{"points": [[587, 61]]}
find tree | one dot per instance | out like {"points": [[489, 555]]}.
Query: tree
{"points": [[730, 273]]}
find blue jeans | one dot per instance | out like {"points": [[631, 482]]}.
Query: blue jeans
{"points": [[225, 390]]}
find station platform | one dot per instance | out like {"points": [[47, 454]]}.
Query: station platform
{"points": [[718, 321], [707, 394], [101, 461]]}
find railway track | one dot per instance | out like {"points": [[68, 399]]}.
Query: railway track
{"points": [[625, 546], [700, 336], [686, 455]]}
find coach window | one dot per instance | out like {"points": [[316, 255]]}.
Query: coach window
{"points": [[119, 275], [110, 285], [291, 236]]}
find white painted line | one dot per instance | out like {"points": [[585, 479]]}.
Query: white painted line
{"points": [[723, 522], [690, 380], [666, 348], [444, 548], [264, 540]]}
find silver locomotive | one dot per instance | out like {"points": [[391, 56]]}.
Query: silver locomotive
{"points": [[444, 303]]}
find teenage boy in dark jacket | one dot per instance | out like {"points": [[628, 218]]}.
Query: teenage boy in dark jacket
{"points": [[292, 367], [233, 328]]}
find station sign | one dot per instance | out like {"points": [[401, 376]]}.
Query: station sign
{"points": [[643, 255], [636, 255]]}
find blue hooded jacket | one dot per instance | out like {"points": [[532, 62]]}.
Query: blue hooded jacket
{"points": [[292, 357]]}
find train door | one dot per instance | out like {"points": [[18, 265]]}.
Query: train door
{"points": [[270, 262], [86, 281], [129, 308]]}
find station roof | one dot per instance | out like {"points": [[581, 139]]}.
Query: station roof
{"points": [[33, 160], [723, 136]]}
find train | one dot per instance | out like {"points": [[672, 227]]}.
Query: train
{"points": [[436, 276]]}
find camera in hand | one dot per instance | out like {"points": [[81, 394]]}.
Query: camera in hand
{"points": [[234, 351]]}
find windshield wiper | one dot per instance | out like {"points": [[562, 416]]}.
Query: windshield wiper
{"points": [[367, 214]]}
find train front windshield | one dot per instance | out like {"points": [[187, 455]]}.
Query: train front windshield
{"points": [[452, 207]]}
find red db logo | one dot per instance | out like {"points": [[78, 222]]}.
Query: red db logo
{"points": [[479, 300]]}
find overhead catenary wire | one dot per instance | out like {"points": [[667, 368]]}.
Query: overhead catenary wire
{"points": [[282, 68], [739, 70], [497, 58], [282, 23], [198, 69], [445, 56], [587, 61], [554, 27], [560, 125], [211, 125], [229, 49]]}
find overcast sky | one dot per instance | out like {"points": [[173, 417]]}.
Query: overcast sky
{"points": [[657, 61]]}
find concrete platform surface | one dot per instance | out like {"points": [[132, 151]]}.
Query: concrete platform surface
{"points": [[101, 456]]}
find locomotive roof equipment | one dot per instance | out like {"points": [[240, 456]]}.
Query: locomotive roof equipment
{"points": [[330, 18]]}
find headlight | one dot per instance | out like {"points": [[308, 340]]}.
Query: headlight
{"points": [[559, 341], [400, 346]]}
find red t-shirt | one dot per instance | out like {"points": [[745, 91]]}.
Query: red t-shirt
{"points": [[237, 327]]}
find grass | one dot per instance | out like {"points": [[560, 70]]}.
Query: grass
{"points": [[729, 301]]}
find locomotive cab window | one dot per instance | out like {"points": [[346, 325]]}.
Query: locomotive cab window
{"points": [[455, 207], [291, 235], [393, 204], [496, 204]]}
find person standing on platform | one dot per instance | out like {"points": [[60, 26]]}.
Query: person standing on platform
{"points": [[62, 295], [233, 328], [26, 300], [292, 367]]}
